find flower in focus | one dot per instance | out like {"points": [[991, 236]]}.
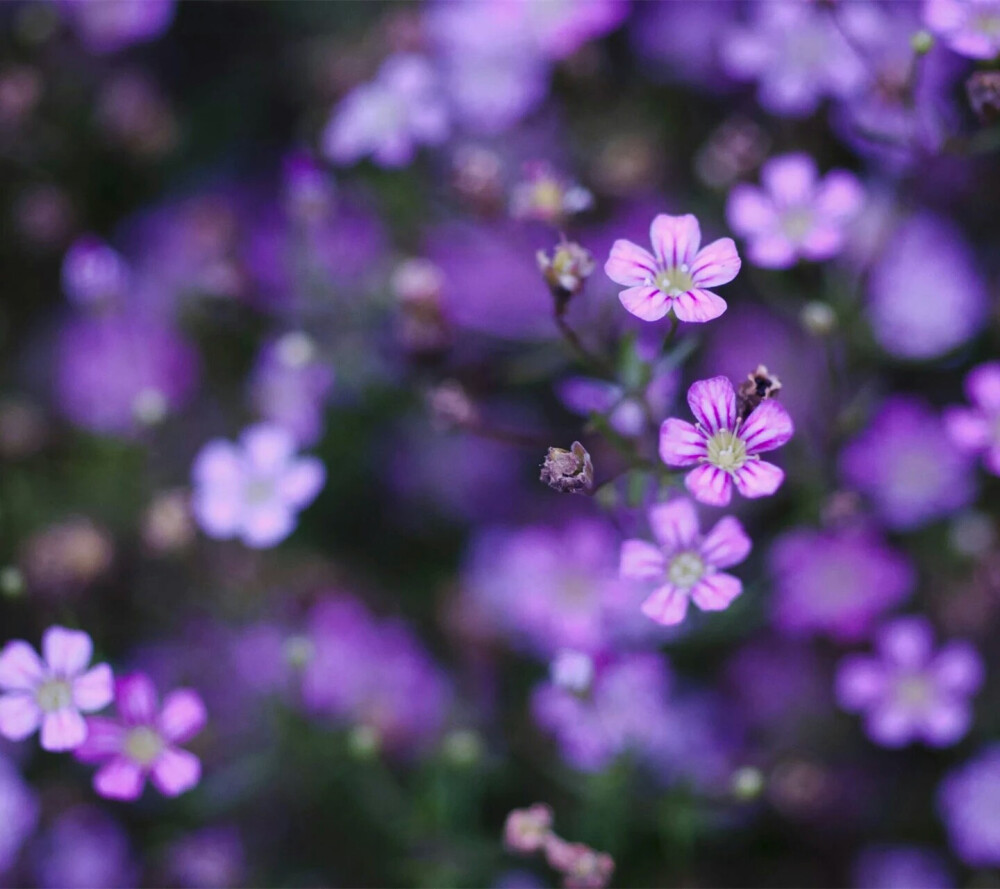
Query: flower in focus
{"points": [[724, 448], [52, 693], [909, 467], [675, 275], [93, 273], [569, 472], [967, 802], [685, 564], [835, 582], [977, 428], [969, 27], [795, 214], [253, 490], [144, 741], [909, 692], [546, 196], [390, 117]]}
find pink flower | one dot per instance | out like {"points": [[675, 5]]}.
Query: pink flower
{"points": [[685, 564], [52, 693], [723, 447], [675, 277], [143, 741], [976, 429], [528, 830]]}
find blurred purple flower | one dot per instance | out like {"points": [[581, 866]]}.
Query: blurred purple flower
{"points": [[106, 26], [144, 741], [308, 189], [82, 849], [94, 273], [795, 215], [253, 490], [546, 196], [901, 867], [969, 27], [925, 294], [210, 858], [54, 692], [723, 447], [18, 813], [685, 564], [795, 53], [977, 428], [676, 277], [836, 582], [967, 803], [907, 465], [390, 117], [118, 373], [909, 692]]}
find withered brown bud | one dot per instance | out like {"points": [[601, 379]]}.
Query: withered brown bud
{"points": [[569, 472], [566, 270], [758, 386], [983, 88]]}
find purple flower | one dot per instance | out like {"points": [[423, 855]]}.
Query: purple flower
{"points": [[18, 813], [119, 373], [969, 27], [795, 53], [143, 741], [925, 294], [253, 490], [390, 117], [977, 429], [901, 867], [106, 26], [675, 277], [906, 463], [684, 564], [836, 582], [910, 692], [724, 448], [210, 858], [93, 273], [967, 801], [82, 849], [54, 692], [795, 215]]}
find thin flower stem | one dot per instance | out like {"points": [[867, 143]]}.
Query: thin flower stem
{"points": [[592, 359]]}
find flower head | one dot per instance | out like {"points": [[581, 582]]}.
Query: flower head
{"points": [[546, 196], [52, 691], [569, 472], [684, 564], [723, 448], [967, 801], [977, 428], [528, 830], [795, 215], [674, 276], [144, 741], [969, 27], [253, 490], [909, 692]]}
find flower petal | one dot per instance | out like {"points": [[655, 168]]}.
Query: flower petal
{"points": [[302, 481], [716, 264], [861, 682], [698, 306], [790, 179], [268, 447], [890, 725], [968, 428], [680, 443], [135, 696], [183, 715], [176, 771], [19, 715], [713, 402], [105, 738], [630, 265], [95, 689], [839, 196], [906, 642], [645, 302], [640, 560], [675, 524], [757, 478], [63, 730], [675, 239], [769, 426], [667, 605], [219, 464], [958, 668], [67, 652], [715, 592], [120, 779], [583, 395], [946, 722], [982, 386], [726, 544], [267, 525], [772, 251], [709, 484], [749, 211], [20, 667]]}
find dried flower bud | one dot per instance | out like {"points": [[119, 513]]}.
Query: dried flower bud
{"points": [[581, 866], [568, 471], [528, 830], [983, 88], [566, 270], [759, 385], [451, 407]]}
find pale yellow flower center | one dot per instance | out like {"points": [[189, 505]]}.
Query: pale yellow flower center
{"points": [[674, 281], [685, 570], [727, 450], [143, 745], [54, 695]]}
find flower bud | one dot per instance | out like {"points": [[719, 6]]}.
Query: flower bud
{"points": [[566, 270], [569, 471], [983, 88], [922, 42], [528, 830]]}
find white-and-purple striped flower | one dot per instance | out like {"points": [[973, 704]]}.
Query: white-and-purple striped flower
{"points": [[723, 448], [977, 428], [676, 275], [143, 741], [51, 692], [685, 564]]}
